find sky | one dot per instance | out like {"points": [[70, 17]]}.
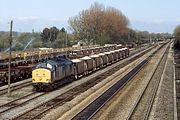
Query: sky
{"points": [[144, 15]]}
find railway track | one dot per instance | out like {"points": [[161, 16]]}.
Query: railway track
{"points": [[19, 102], [15, 87], [38, 111], [41, 109], [143, 105], [89, 111]]}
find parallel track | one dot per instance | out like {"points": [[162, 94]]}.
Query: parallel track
{"points": [[38, 111], [89, 111], [16, 87], [19, 102], [153, 86]]}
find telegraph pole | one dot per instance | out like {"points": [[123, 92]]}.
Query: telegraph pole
{"points": [[10, 44]]}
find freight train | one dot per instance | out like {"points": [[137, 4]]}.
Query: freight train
{"points": [[38, 55], [49, 74], [23, 62]]}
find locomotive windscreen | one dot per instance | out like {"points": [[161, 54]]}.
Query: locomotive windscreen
{"points": [[48, 64]]}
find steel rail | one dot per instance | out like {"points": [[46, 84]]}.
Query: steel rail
{"points": [[89, 111], [143, 92], [13, 88]]}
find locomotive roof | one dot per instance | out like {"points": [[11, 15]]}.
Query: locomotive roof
{"points": [[60, 61], [55, 62]]}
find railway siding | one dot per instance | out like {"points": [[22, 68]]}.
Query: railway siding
{"points": [[20, 110]]}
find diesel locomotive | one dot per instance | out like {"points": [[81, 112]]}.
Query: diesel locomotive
{"points": [[48, 73], [23, 61]]}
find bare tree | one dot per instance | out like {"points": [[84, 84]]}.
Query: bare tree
{"points": [[99, 25]]}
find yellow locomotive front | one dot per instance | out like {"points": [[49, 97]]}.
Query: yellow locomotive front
{"points": [[41, 75]]}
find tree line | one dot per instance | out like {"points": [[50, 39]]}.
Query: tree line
{"points": [[54, 37]]}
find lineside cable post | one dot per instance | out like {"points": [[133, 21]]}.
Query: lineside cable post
{"points": [[9, 69]]}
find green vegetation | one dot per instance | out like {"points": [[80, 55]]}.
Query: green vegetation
{"points": [[20, 40], [3, 40], [53, 37]]}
